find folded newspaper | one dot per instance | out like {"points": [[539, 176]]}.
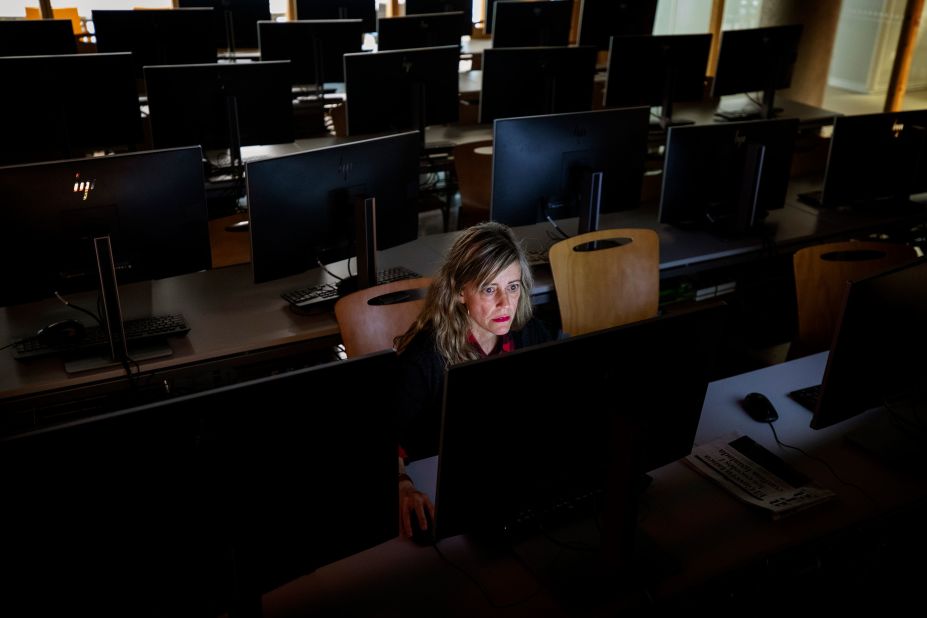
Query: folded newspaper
{"points": [[755, 475]]}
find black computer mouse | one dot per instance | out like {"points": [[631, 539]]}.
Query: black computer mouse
{"points": [[422, 536], [62, 333], [759, 408]]}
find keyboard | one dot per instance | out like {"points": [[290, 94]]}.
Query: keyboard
{"points": [[138, 331], [808, 396], [323, 296]]}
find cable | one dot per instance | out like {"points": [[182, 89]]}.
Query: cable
{"points": [[73, 306], [557, 227], [825, 464], [325, 268]]}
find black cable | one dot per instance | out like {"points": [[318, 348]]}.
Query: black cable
{"points": [[73, 306], [825, 464], [8, 345], [325, 268]]}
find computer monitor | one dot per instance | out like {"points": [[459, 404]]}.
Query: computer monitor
{"points": [[220, 106], [315, 49], [192, 505], [581, 417], [35, 37], [420, 30], [657, 70], [152, 204], [67, 106], [365, 10], [756, 60], [170, 36], [564, 153], [533, 23], [726, 177], [404, 89], [302, 206], [465, 7], [489, 9], [876, 161], [526, 81], [875, 357], [234, 21], [599, 20]]}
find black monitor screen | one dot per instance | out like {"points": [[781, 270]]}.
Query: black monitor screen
{"points": [[642, 401], [465, 7], [152, 204], [562, 151], [532, 24], [871, 362], [236, 17], [525, 81], [190, 506], [489, 7], [876, 160], [726, 177], [301, 206], [599, 20], [365, 10], [173, 36], [194, 103], [401, 89], [756, 60], [315, 49], [422, 30], [32, 37], [67, 106], [657, 70]]}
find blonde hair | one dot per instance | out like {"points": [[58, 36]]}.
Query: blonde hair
{"points": [[478, 255]]}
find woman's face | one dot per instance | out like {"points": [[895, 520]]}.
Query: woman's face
{"points": [[492, 305]]}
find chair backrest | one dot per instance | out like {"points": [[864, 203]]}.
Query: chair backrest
{"points": [[367, 326], [615, 283], [67, 12], [821, 276], [473, 166]]}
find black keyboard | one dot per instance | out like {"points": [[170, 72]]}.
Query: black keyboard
{"points": [[142, 330], [808, 396], [324, 295]]}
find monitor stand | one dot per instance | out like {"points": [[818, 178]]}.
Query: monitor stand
{"points": [[112, 319], [896, 435], [102, 361]]}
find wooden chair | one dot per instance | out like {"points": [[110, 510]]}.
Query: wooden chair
{"points": [[473, 166], [367, 326], [821, 276], [68, 12], [616, 283]]}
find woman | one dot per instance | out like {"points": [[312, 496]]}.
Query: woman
{"points": [[478, 305]]}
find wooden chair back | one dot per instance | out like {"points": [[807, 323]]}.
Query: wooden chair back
{"points": [[821, 276], [615, 283], [367, 326], [473, 166], [65, 12]]}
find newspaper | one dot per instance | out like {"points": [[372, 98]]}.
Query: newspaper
{"points": [[755, 475]]}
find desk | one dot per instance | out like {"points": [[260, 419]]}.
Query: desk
{"points": [[696, 526], [236, 324]]}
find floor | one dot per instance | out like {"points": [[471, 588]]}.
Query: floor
{"points": [[846, 102]]}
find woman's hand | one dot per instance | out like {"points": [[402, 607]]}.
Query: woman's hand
{"points": [[413, 503]]}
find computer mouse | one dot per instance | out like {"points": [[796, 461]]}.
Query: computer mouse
{"points": [[61, 333], [759, 408], [421, 536]]}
